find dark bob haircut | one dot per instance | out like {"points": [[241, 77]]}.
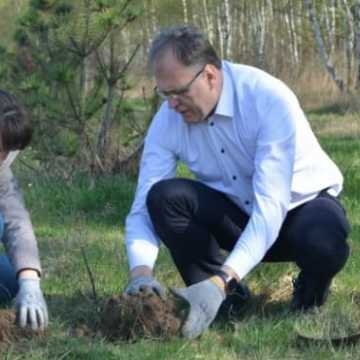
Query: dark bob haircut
{"points": [[15, 126]]}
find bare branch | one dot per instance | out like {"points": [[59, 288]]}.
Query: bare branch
{"points": [[89, 272]]}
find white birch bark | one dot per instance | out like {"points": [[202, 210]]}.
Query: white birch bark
{"points": [[147, 25], [227, 30], [196, 14], [206, 16], [209, 26], [291, 30], [294, 36], [258, 28], [185, 11], [357, 37], [330, 24], [153, 16], [321, 46], [220, 31], [349, 42], [239, 14]]}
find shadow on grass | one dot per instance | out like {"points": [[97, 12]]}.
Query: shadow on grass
{"points": [[257, 306], [338, 108], [78, 312]]}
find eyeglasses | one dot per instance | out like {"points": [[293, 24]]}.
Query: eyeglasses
{"points": [[180, 91]]}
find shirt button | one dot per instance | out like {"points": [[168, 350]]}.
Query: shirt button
{"points": [[211, 123], [247, 202], [234, 177], [222, 151]]}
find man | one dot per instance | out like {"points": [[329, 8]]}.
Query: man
{"points": [[20, 276], [264, 188]]}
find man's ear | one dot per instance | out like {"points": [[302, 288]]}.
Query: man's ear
{"points": [[212, 74]]}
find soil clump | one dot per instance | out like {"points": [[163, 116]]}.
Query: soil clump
{"points": [[9, 332], [145, 315]]}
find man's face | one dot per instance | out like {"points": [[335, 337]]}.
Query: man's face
{"points": [[191, 91]]}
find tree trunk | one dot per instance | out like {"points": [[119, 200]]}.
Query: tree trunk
{"points": [[208, 21], [357, 37], [293, 35], [227, 29], [220, 31], [105, 125], [258, 29], [153, 16], [185, 10], [349, 45], [330, 23], [321, 47], [101, 145]]}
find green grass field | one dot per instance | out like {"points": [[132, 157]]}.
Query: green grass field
{"points": [[89, 217]]}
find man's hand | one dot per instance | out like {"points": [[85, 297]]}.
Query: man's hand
{"points": [[30, 305], [145, 283], [204, 299]]}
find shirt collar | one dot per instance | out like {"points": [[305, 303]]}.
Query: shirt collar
{"points": [[225, 106]]}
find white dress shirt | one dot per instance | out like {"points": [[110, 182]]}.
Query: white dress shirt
{"points": [[257, 148]]}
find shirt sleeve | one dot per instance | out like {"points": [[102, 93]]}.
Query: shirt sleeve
{"points": [[19, 238], [158, 162], [271, 182]]}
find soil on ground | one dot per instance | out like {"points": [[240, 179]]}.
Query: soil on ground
{"points": [[9, 332], [145, 315]]}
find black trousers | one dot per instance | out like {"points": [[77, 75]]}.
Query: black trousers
{"points": [[195, 222]]}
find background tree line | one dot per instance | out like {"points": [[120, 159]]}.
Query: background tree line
{"points": [[81, 66]]}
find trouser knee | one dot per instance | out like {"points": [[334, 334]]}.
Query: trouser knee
{"points": [[318, 231], [8, 282], [2, 226], [325, 258], [170, 204]]}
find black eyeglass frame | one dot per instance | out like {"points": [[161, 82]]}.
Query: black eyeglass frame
{"points": [[180, 91]]}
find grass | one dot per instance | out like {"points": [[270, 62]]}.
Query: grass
{"points": [[69, 217]]}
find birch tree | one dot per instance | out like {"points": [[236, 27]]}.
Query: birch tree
{"points": [[349, 42], [357, 27], [209, 24], [330, 24], [258, 25], [321, 46], [227, 25], [290, 19], [185, 10]]}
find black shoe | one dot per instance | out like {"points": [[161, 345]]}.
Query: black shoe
{"points": [[309, 291], [235, 302]]}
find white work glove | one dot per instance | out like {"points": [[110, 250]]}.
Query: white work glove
{"points": [[145, 283], [30, 305], [204, 299]]}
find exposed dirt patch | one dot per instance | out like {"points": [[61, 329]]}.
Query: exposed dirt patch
{"points": [[9, 332], [145, 315]]}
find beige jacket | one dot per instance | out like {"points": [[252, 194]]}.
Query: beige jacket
{"points": [[19, 238]]}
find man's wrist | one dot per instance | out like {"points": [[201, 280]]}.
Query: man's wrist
{"points": [[142, 270], [229, 281], [228, 270], [28, 274], [219, 282]]}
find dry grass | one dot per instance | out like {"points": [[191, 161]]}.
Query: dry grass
{"points": [[330, 125], [329, 323]]}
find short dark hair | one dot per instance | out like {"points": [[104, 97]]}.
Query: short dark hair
{"points": [[189, 45], [15, 126]]}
